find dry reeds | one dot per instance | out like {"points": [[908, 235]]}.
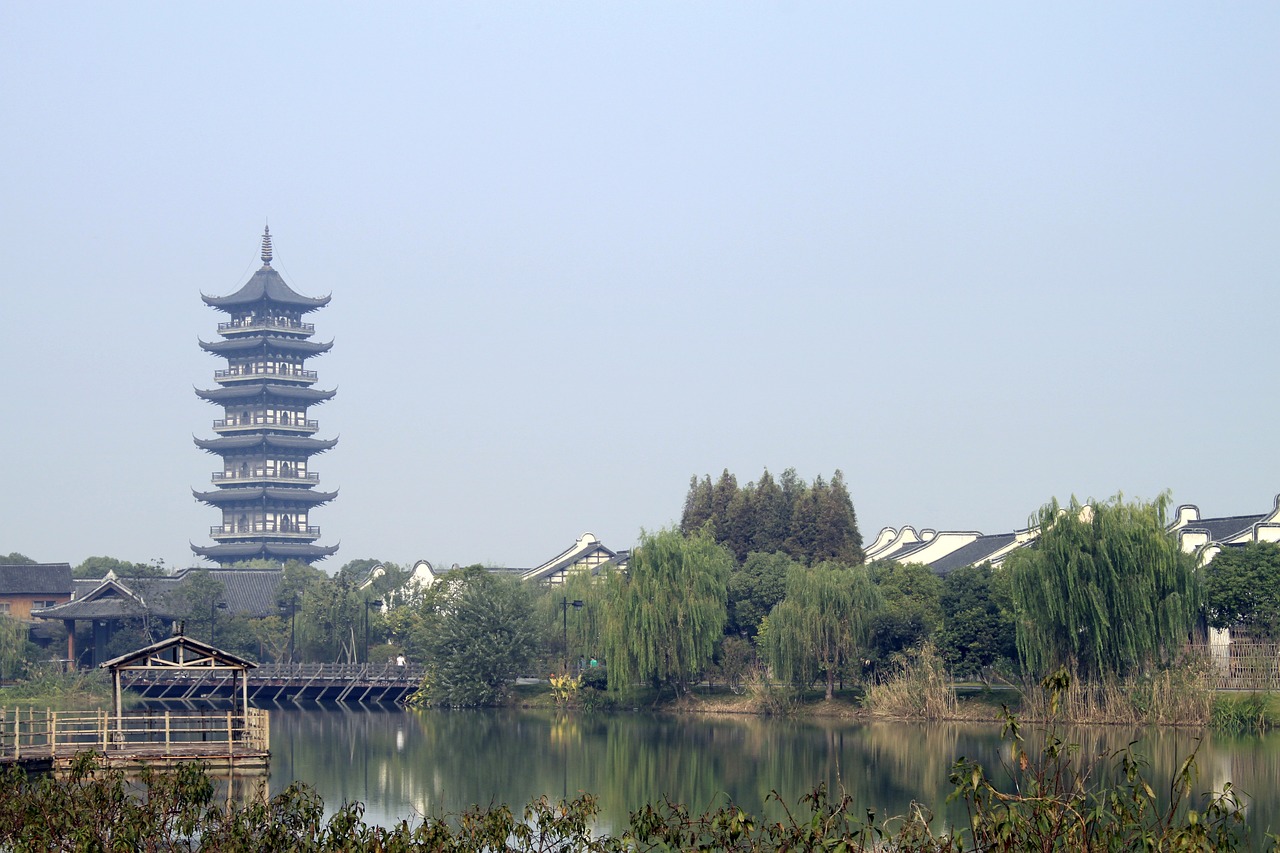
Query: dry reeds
{"points": [[1181, 695], [917, 688]]}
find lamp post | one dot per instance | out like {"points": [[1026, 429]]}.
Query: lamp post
{"points": [[293, 622], [214, 607], [564, 614], [367, 605]]}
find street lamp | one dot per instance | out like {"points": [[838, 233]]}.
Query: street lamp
{"points": [[367, 605], [564, 614], [293, 622], [214, 607]]}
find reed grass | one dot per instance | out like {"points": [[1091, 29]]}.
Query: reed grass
{"points": [[917, 687]]}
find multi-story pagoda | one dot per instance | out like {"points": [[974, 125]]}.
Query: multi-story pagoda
{"points": [[266, 488]]}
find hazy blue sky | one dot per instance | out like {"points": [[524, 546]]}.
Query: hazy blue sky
{"points": [[974, 255]]}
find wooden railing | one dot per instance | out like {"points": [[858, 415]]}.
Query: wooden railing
{"points": [[324, 682], [28, 733]]}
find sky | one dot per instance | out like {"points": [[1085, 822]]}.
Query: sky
{"points": [[974, 256]]}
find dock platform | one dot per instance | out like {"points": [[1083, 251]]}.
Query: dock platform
{"points": [[46, 739]]}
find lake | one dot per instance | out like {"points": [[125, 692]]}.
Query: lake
{"points": [[403, 764]]}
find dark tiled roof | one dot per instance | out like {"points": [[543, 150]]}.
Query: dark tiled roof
{"points": [[279, 442], [248, 591], [36, 579], [266, 285], [1225, 527], [901, 553], [251, 591], [270, 343], [274, 493], [264, 550], [975, 552], [250, 390]]}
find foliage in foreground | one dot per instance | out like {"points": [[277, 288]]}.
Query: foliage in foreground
{"points": [[1056, 800]]}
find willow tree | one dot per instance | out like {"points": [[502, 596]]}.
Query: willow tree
{"points": [[1105, 588], [824, 621], [665, 614]]}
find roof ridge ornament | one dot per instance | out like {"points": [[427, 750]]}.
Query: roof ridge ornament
{"points": [[266, 246]]}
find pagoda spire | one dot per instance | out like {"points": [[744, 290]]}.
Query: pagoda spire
{"points": [[266, 246]]}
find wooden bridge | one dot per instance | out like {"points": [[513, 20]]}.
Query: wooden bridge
{"points": [[364, 683], [46, 739]]}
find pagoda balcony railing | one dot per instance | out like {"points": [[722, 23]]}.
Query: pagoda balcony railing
{"points": [[264, 372], [262, 474], [257, 528], [282, 324], [247, 424]]}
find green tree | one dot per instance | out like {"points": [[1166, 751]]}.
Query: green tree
{"points": [[665, 615], [477, 637], [16, 651], [196, 601], [560, 622], [812, 523], [824, 621], [977, 621], [697, 505], [754, 588], [329, 621], [13, 558], [772, 515], [1242, 590], [97, 567], [1105, 587], [912, 608]]}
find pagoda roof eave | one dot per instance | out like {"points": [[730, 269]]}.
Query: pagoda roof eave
{"points": [[272, 493], [268, 550], [229, 443], [265, 286], [232, 346], [248, 390]]}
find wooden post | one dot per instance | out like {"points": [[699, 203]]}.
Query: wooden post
{"points": [[166, 732], [231, 744], [53, 734]]}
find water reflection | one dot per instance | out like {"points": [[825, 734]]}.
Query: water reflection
{"points": [[404, 764]]}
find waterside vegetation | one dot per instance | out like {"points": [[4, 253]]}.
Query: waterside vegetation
{"points": [[1045, 793], [762, 590]]}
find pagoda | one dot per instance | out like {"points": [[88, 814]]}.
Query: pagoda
{"points": [[266, 488]]}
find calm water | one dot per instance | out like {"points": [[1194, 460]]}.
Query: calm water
{"points": [[402, 764]]}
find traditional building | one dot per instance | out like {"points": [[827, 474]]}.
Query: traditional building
{"points": [[28, 587], [266, 488], [108, 602]]}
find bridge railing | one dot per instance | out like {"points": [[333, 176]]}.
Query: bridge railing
{"points": [[361, 672]]}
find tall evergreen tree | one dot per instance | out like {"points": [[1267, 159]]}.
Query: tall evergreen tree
{"points": [[838, 537], [772, 516], [736, 529], [722, 494], [697, 505], [806, 519]]}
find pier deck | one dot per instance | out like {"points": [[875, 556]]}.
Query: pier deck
{"points": [[46, 739]]}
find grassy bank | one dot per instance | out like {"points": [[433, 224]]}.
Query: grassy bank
{"points": [[83, 690], [918, 689]]}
